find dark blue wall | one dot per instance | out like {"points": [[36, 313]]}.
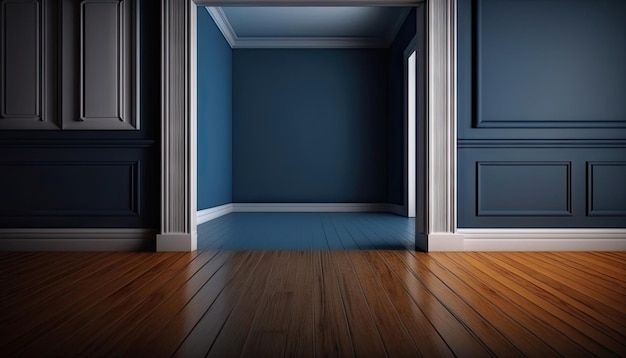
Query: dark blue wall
{"points": [[397, 155], [89, 178], [542, 113], [310, 125], [214, 115]]}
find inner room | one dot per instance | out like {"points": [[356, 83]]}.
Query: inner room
{"points": [[306, 126]]}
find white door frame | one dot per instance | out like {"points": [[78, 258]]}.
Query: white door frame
{"points": [[410, 129], [435, 230]]}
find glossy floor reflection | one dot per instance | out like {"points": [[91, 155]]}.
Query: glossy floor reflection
{"points": [[307, 231]]}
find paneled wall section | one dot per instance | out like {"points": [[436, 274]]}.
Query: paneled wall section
{"points": [[541, 114]]}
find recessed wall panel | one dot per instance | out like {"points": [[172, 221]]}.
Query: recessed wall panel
{"points": [[549, 64], [69, 188], [606, 188], [523, 189], [101, 77], [21, 59]]}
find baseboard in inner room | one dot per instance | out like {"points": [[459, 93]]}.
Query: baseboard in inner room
{"points": [[543, 239], [209, 214], [77, 239], [213, 213], [309, 207]]}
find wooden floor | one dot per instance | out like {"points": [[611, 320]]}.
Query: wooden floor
{"points": [[312, 303]]}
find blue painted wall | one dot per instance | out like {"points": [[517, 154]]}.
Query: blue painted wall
{"points": [[310, 125], [397, 155], [542, 113], [214, 115]]}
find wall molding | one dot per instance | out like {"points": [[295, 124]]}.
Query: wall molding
{"points": [[542, 239], [178, 127], [440, 157], [206, 215], [221, 20], [77, 239], [541, 143], [309, 207]]}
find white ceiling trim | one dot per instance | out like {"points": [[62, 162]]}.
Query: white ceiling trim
{"points": [[222, 23], [221, 20]]}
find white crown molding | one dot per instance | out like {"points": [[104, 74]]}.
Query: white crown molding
{"points": [[219, 16], [308, 2], [76, 239], [221, 20], [309, 42]]}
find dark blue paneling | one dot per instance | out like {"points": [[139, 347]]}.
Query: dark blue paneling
{"points": [[78, 184], [310, 125], [511, 188], [397, 155], [541, 88], [214, 115], [550, 63], [541, 187], [112, 177], [555, 65], [604, 198]]}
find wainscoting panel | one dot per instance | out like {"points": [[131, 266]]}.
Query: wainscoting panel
{"points": [[27, 65], [520, 78], [70, 188], [99, 55], [606, 188], [88, 187], [523, 188], [541, 187]]}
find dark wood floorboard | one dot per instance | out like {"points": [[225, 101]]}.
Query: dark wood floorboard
{"points": [[394, 303]]}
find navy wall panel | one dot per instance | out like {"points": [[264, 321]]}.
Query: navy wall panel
{"points": [[89, 178], [541, 113], [544, 187]]}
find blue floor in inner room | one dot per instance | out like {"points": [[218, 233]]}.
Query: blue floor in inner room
{"points": [[307, 231]]}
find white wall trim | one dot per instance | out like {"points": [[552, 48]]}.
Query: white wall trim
{"points": [[220, 19], [530, 240], [235, 41], [209, 214], [178, 126], [206, 215], [309, 207], [76, 239], [440, 163]]}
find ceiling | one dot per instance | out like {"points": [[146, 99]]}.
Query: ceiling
{"points": [[311, 27]]}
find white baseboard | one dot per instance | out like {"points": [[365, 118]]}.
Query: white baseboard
{"points": [[309, 207], [543, 239], [213, 213], [177, 242], [77, 239]]}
